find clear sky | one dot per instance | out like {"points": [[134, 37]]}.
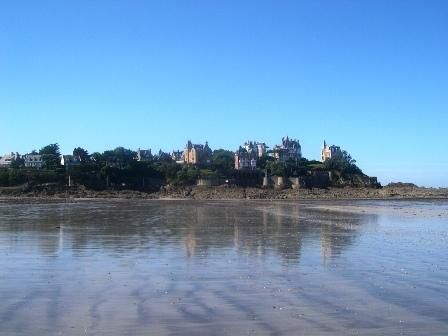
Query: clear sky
{"points": [[370, 76]]}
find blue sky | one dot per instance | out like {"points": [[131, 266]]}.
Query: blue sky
{"points": [[370, 76]]}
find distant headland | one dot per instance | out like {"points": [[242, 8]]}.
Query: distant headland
{"points": [[254, 170]]}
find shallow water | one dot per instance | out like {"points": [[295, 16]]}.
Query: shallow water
{"points": [[224, 268]]}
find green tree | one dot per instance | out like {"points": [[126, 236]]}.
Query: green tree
{"points": [[262, 162], [124, 156], [19, 162], [344, 163], [88, 175], [51, 156], [82, 154], [168, 170], [187, 176], [97, 157], [52, 149], [276, 168], [4, 178], [119, 157], [223, 161], [296, 167]]}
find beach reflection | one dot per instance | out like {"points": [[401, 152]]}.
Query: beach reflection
{"points": [[184, 267], [121, 227]]}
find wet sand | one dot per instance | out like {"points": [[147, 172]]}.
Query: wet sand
{"points": [[419, 208], [224, 268]]}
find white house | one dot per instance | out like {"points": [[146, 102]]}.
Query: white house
{"points": [[8, 159], [33, 161], [70, 160]]}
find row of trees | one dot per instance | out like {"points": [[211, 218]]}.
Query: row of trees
{"points": [[119, 168], [114, 168]]}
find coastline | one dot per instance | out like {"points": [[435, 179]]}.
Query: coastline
{"points": [[224, 193]]}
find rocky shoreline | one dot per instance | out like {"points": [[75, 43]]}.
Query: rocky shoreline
{"points": [[231, 193]]}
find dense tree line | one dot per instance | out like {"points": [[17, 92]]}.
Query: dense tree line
{"points": [[118, 168]]}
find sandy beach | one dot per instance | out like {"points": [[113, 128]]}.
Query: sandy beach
{"points": [[172, 267]]}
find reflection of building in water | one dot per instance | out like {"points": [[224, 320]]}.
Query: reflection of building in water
{"points": [[268, 229], [334, 237], [326, 249], [196, 230], [204, 227], [289, 232], [236, 236], [190, 243], [340, 232], [262, 230]]}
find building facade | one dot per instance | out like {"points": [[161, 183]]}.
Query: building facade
{"points": [[144, 155], [329, 152], [8, 159], [177, 156], [70, 161], [200, 155], [258, 147], [246, 159], [34, 161], [290, 149]]}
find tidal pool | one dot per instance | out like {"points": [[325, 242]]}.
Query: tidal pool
{"points": [[224, 268]]}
